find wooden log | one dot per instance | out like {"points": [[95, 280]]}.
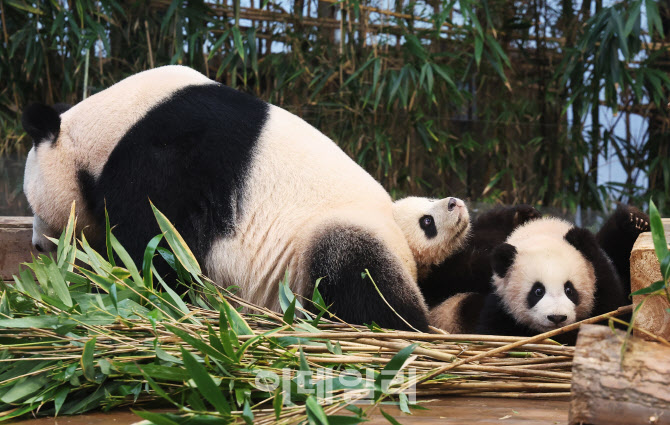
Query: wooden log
{"points": [[609, 390], [15, 244], [645, 270]]}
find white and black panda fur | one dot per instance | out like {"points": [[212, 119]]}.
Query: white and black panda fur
{"points": [[254, 190], [547, 274], [434, 228]]}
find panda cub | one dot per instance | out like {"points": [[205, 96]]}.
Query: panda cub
{"points": [[442, 229], [469, 268], [254, 190], [546, 275]]}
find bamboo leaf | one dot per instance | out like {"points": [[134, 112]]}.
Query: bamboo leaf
{"points": [[277, 403], [206, 386], [657, 232], [87, 360], [654, 18], [177, 244], [237, 322], [149, 253], [157, 387], [24, 388], [215, 47], [359, 71], [247, 414], [665, 267], [154, 418], [127, 261], [653, 288], [58, 284], [26, 284], [237, 38], [444, 74], [479, 47], [23, 6], [389, 418], [390, 371], [196, 343], [60, 398], [289, 315], [315, 413], [108, 240]]}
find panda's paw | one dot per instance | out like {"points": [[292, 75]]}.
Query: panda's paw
{"points": [[631, 220], [524, 213], [640, 223]]}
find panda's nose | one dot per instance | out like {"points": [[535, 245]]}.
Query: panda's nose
{"points": [[38, 247], [556, 318], [451, 204]]}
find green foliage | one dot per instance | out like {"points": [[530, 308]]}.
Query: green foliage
{"points": [[661, 287], [457, 97], [93, 335], [616, 62]]}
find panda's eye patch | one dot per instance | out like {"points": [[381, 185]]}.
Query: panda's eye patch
{"points": [[571, 292], [536, 293], [427, 224]]}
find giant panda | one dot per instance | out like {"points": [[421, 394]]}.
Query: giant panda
{"points": [[468, 267], [548, 274], [442, 230], [254, 190]]}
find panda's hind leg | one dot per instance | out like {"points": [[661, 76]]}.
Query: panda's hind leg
{"points": [[340, 256]]}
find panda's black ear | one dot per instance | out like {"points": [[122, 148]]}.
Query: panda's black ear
{"points": [[40, 122], [61, 107], [502, 258]]}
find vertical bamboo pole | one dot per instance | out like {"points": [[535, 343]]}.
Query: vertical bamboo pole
{"points": [[342, 17]]}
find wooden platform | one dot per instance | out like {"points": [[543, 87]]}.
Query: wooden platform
{"points": [[645, 270], [16, 235], [453, 410]]}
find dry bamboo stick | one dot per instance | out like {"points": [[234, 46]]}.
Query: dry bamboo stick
{"points": [[419, 350], [520, 362], [405, 335], [540, 337]]}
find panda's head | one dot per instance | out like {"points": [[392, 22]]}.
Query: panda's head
{"points": [[43, 181], [433, 228], [544, 282], [71, 146]]}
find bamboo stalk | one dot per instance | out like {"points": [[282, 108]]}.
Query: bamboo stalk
{"points": [[540, 337], [410, 336]]}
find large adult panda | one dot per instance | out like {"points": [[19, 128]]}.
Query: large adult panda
{"points": [[254, 190]]}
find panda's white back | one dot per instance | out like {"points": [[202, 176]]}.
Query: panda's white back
{"points": [[252, 187], [302, 182], [104, 118]]}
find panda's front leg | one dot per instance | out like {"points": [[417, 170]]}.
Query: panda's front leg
{"points": [[363, 282]]}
